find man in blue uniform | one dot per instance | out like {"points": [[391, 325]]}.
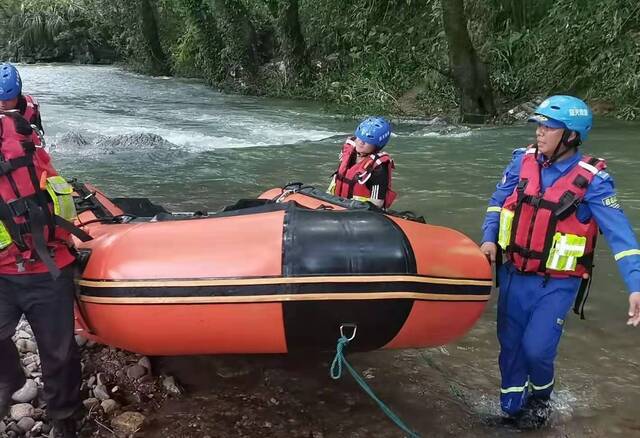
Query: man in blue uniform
{"points": [[548, 241]]}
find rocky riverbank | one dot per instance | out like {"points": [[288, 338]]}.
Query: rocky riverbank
{"points": [[118, 389]]}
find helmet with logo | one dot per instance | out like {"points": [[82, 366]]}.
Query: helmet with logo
{"points": [[565, 112], [10, 82], [375, 131]]}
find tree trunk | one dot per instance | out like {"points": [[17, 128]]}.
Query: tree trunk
{"points": [[469, 73], [293, 45], [238, 34], [159, 65]]}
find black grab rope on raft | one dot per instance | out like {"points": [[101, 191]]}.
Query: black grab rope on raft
{"points": [[351, 204]]}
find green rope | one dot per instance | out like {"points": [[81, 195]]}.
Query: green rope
{"points": [[336, 372]]}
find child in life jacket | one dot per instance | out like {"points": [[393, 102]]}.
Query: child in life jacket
{"points": [[364, 173]]}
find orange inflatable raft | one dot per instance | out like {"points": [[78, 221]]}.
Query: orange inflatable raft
{"points": [[277, 274]]}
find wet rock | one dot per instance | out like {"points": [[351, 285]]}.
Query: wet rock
{"points": [[90, 344], [37, 428], [22, 334], [169, 383], [228, 372], [3, 427], [101, 379], [132, 142], [21, 410], [437, 121], [26, 423], [109, 406], [146, 379], [32, 368], [29, 359], [73, 139], [128, 422], [101, 392], [80, 340], [38, 414], [27, 393], [91, 381], [91, 403], [136, 371], [26, 346], [145, 362], [317, 434], [46, 428]]}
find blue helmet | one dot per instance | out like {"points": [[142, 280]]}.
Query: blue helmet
{"points": [[375, 131], [566, 112], [10, 82]]}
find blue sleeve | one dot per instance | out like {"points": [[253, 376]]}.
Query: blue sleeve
{"points": [[605, 208], [504, 188]]}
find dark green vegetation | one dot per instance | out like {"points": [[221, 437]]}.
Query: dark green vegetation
{"points": [[399, 56]]}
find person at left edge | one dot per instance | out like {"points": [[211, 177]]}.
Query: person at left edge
{"points": [[36, 272], [12, 99]]}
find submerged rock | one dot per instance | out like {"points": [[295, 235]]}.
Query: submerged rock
{"points": [[109, 406], [169, 383], [128, 422]]}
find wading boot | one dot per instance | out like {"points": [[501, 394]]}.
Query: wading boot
{"points": [[535, 414]]}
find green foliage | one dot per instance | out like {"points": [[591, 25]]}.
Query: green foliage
{"points": [[60, 30], [588, 48]]}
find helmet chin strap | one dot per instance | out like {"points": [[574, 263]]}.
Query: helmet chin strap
{"points": [[564, 141]]}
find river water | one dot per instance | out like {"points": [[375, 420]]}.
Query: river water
{"points": [[188, 147]]}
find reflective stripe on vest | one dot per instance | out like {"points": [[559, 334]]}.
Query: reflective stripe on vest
{"points": [[506, 223], [565, 251], [61, 193]]}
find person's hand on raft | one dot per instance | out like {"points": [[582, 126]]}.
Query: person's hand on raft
{"points": [[490, 250], [634, 309]]}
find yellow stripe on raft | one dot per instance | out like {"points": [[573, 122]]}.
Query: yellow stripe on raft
{"points": [[281, 280], [283, 298]]}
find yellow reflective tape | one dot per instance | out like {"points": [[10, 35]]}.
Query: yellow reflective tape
{"points": [[540, 388], [627, 253], [5, 237], [505, 227], [362, 198], [514, 389], [494, 209]]}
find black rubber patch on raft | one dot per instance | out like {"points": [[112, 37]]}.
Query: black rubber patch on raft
{"points": [[316, 325], [339, 243], [344, 242]]}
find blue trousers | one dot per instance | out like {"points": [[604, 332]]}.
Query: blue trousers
{"points": [[531, 316]]}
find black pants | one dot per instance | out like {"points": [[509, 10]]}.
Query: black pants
{"points": [[48, 306]]}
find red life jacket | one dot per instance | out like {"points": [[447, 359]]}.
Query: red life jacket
{"points": [[541, 222], [32, 109], [31, 113], [39, 237], [351, 181]]}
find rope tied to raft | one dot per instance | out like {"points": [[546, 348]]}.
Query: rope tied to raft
{"points": [[336, 373]]}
